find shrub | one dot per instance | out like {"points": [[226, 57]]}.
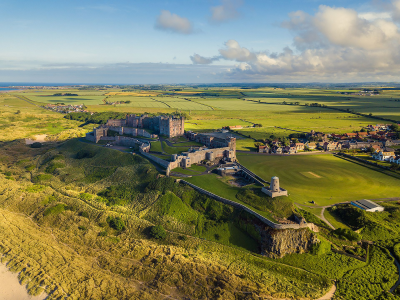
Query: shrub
{"points": [[35, 188], [321, 248], [116, 222], [41, 177], [103, 233], [82, 227], [30, 168], [53, 166], [84, 214], [8, 173], [346, 234], [85, 196], [84, 153], [158, 232], [36, 145], [59, 208]]}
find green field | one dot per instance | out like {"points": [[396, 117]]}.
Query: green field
{"points": [[216, 108], [332, 180]]}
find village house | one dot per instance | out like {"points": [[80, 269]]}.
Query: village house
{"points": [[311, 146], [351, 135], [330, 146], [289, 150], [263, 149], [362, 135], [276, 150], [383, 155], [298, 146], [395, 160]]}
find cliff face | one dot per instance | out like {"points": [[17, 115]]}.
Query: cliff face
{"points": [[278, 243]]}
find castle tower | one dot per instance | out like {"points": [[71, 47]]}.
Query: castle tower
{"points": [[274, 186]]}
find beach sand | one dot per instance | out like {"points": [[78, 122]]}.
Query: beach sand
{"points": [[10, 289]]}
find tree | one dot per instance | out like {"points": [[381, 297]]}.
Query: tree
{"points": [[158, 232], [116, 223]]}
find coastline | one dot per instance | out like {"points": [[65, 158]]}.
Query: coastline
{"points": [[11, 288]]}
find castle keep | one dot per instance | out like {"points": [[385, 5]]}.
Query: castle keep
{"points": [[139, 126]]}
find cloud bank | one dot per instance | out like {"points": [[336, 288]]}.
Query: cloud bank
{"points": [[173, 23], [228, 10], [335, 43]]}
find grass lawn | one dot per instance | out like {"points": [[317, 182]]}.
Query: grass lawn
{"points": [[333, 179], [198, 168], [155, 147], [213, 184], [334, 220], [173, 150], [185, 171], [314, 210]]}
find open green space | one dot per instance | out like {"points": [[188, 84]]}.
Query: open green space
{"points": [[334, 180]]}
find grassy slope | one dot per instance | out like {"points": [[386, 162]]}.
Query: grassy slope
{"points": [[339, 180], [128, 258]]}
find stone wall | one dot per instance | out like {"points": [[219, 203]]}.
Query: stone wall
{"points": [[157, 160], [240, 206]]}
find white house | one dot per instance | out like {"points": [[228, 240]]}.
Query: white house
{"points": [[383, 155]]}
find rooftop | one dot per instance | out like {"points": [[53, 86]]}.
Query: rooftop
{"points": [[366, 204]]}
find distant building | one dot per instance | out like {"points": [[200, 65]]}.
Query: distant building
{"points": [[274, 189], [263, 149], [367, 205], [140, 126], [383, 155]]}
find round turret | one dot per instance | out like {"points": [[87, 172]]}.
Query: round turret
{"points": [[274, 186]]}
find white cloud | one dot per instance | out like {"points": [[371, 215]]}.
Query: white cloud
{"points": [[344, 27], [228, 10], [371, 16], [233, 51], [335, 44], [174, 23], [201, 60]]}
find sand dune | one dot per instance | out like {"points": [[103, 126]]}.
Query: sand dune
{"points": [[10, 289]]}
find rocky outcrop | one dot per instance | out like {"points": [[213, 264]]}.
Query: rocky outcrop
{"points": [[278, 243]]}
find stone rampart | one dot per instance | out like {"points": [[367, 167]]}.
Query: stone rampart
{"points": [[157, 160], [245, 208]]}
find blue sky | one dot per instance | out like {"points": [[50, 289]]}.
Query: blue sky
{"points": [[155, 41]]}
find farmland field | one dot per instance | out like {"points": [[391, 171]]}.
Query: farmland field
{"points": [[338, 181]]}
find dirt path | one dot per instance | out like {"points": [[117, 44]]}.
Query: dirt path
{"points": [[330, 294]]}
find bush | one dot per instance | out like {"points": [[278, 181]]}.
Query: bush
{"points": [[8, 173], [53, 166], [322, 247], [346, 234], [30, 168], [158, 232], [41, 177], [82, 228], [116, 222], [84, 153], [59, 208], [36, 145], [84, 214], [103, 233]]}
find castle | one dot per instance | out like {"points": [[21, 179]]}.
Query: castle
{"points": [[139, 126]]}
